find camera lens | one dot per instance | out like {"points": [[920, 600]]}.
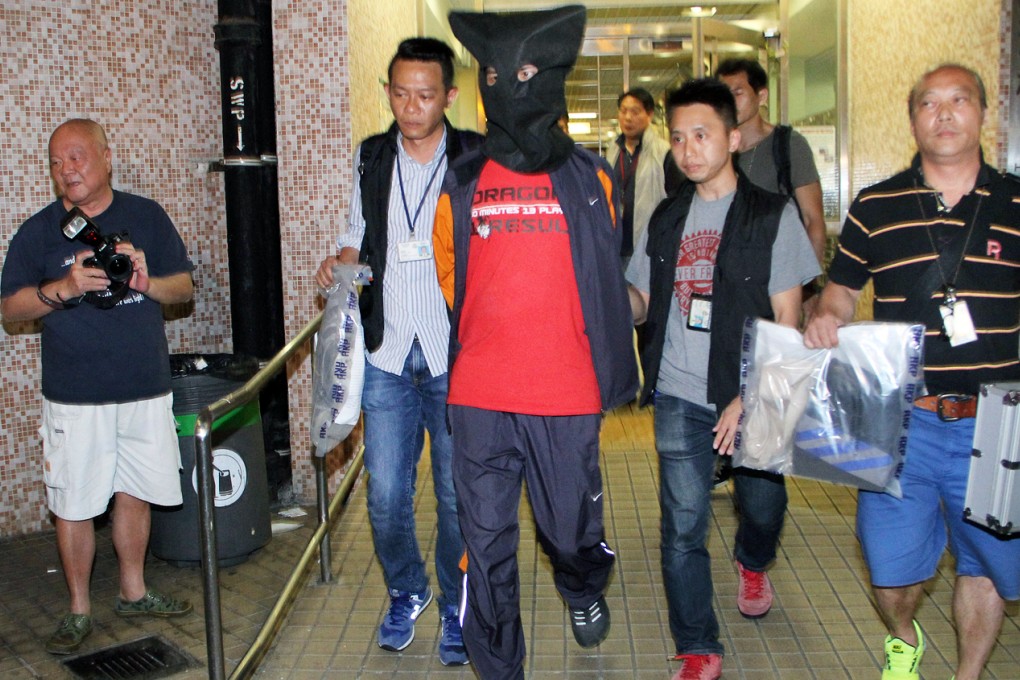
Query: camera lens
{"points": [[118, 267]]}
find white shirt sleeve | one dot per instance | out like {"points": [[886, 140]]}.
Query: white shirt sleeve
{"points": [[355, 232]]}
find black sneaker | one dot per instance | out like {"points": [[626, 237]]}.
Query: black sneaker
{"points": [[723, 471], [590, 624]]}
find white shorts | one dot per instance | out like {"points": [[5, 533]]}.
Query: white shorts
{"points": [[91, 452]]}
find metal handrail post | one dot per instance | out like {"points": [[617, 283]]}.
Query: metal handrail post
{"points": [[322, 493], [210, 558]]}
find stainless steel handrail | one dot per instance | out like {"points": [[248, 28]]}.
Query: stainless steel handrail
{"points": [[249, 663], [207, 516]]}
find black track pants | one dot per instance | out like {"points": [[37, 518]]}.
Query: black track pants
{"points": [[558, 456]]}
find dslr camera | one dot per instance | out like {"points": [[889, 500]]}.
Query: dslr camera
{"points": [[76, 225]]}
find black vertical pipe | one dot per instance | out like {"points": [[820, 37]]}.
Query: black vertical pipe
{"points": [[275, 408], [244, 40], [256, 300]]}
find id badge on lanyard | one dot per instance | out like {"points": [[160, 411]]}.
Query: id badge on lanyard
{"points": [[700, 316], [957, 324], [412, 251]]}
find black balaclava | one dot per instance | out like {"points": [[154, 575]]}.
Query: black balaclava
{"points": [[523, 134]]}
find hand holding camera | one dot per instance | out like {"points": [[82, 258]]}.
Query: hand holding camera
{"points": [[108, 259]]}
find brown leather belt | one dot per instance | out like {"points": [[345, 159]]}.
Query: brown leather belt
{"points": [[949, 407]]}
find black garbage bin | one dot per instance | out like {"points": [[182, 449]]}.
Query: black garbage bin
{"points": [[239, 465]]}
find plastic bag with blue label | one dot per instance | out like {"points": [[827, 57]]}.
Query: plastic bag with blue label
{"points": [[838, 415], [339, 362]]}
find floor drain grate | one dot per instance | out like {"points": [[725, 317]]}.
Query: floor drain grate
{"points": [[144, 659]]}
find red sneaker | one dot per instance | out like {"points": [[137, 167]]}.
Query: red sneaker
{"points": [[754, 595], [699, 667]]}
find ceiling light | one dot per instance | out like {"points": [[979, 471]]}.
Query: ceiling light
{"points": [[698, 11], [579, 128], [584, 115]]}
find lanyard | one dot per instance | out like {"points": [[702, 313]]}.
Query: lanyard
{"points": [[624, 156], [948, 285], [403, 196]]}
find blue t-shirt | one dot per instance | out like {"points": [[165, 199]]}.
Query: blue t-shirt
{"points": [[92, 355]]}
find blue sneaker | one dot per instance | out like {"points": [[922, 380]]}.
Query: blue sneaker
{"points": [[397, 629], [451, 640]]}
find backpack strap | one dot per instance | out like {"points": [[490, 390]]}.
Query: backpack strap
{"points": [[994, 207], [781, 157]]}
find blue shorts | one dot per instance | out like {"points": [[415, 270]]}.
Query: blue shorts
{"points": [[903, 539]]}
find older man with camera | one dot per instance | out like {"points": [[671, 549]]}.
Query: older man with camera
{"points": [[107, 423]]}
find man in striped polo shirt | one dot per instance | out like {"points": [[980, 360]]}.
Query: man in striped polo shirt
{"points": [[941, 241]]}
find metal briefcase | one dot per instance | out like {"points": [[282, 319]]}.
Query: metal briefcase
{"points": [[993, 487]]}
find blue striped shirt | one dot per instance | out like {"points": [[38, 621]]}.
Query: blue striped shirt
{"points": [[412, 300]]}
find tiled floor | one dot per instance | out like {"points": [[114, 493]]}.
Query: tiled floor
{"points": [[822, 626]]}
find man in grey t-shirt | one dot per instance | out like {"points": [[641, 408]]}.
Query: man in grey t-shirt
{"points": [[716, 251], [748, 82]]}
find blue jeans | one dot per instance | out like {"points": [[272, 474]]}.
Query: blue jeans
{"points": [[683, 439], [761, 500], [397, 410]]}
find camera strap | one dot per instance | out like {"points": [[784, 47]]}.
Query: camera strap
{"points": [[107, 299]]}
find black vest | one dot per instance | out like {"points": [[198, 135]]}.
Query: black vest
{"points": [[740, 280], [594, 248], [375, 167]]}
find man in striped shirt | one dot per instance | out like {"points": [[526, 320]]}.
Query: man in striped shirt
{"points": [[941, 242], [390, 216]]}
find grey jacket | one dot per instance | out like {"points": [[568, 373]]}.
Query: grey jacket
{"points": [[650, 188]]}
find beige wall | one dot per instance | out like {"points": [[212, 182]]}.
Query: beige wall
{"points": [[376, 28], [891, 43]]}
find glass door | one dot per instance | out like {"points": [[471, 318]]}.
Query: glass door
{"points": [[655, 55]]}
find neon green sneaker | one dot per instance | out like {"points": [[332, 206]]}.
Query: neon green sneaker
{"points": [[902, 660]]}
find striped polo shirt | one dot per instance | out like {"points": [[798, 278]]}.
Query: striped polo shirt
{"points": [[893, 234]]}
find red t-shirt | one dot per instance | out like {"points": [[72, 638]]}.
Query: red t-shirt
{"points": [[524, 349]]}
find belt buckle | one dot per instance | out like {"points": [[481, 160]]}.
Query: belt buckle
{"points": [[952, 398]]}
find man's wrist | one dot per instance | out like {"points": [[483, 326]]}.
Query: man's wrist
{"points": [[60, 303], [47, 300]]}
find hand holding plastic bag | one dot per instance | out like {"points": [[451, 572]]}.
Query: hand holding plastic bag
{"points": [[839, 415], [339, 373]]}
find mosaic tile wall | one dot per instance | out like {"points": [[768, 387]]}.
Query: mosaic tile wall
{"points": [[147, 70], [330, 61], [891, 44], [314, 148], [1007, 48]]}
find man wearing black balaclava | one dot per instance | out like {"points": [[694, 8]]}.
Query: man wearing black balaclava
{"points": [[527, 252]]}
